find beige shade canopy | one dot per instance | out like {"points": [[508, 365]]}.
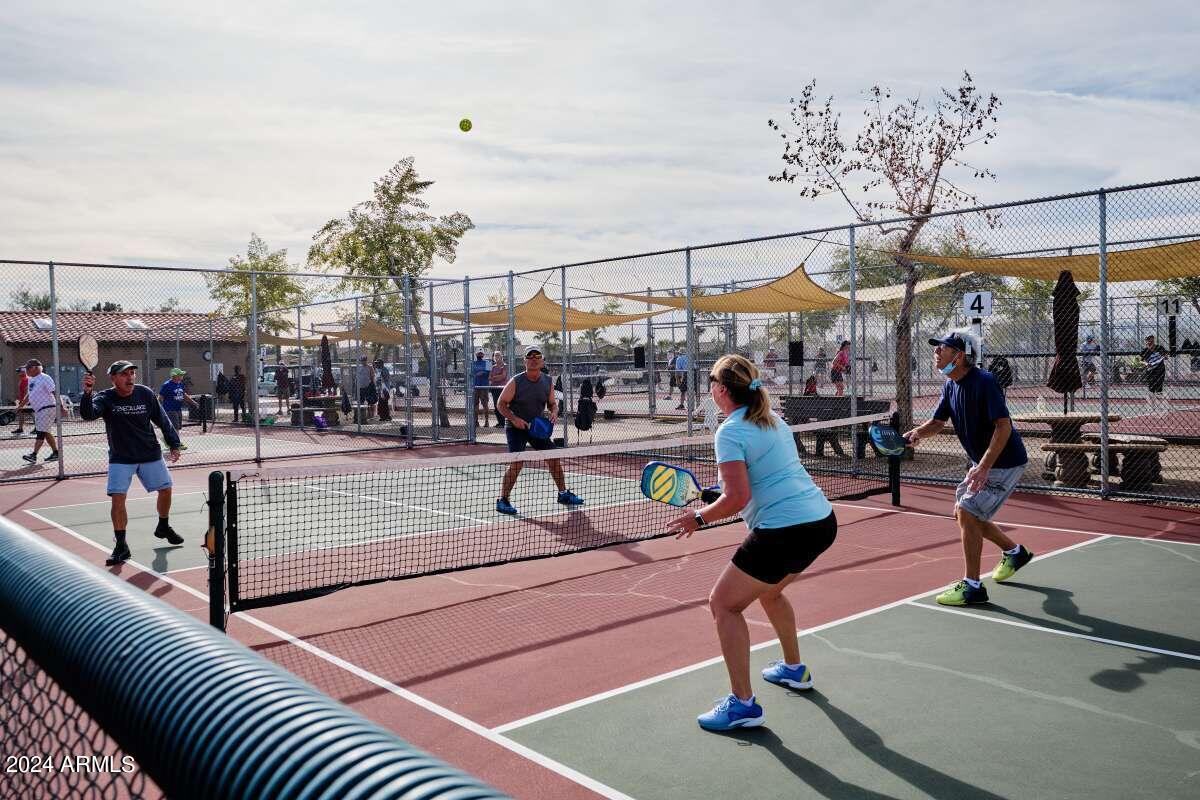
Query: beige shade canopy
{"points": [[1178, 260], [793, 292], [286, 340], [896, 291], [540, 313]]}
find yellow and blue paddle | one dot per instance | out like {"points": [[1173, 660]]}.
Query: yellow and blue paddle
{"points": [[675, 486]]}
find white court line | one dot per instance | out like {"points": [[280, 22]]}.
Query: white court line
{"points": [[450, 716], [552, 712], [1072, 634], [1002, 523], [106, 502], [377, 499]]}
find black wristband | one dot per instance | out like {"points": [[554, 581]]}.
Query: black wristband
{"points": [[699, 519]]}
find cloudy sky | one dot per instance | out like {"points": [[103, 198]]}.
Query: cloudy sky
{"points": [[165, 133]]}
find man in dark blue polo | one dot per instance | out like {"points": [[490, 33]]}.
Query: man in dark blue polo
{"points": [[975, 402]]}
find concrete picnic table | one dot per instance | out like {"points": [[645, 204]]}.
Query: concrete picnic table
{"points": [[1064, 429]]}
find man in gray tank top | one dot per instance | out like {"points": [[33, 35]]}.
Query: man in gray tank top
{"points": [[523, 399]]}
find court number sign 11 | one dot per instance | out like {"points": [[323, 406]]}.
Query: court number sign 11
{"points": [[1169, 306], [977, 304]]}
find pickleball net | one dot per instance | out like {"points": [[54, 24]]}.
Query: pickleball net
{"points": [[295, 533]]}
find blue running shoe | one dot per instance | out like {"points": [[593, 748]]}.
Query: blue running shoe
{"points": [[569, 498], [780, 673], [731, 713], [505, 507]]}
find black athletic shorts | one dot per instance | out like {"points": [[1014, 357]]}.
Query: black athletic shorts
{"points": [[771, 554], [1155, 377]]}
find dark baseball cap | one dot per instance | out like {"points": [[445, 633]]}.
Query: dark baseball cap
{"points": [[951, 340], [118, 367], [33, 362]]}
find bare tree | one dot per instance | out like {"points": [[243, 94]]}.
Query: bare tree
{"points": [[907, 151]]}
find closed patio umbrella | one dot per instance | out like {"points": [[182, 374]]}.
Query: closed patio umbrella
{"points": [[1064, 375], [327, 381]]}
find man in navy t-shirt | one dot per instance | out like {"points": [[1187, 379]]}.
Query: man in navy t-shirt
{"points": [[129, 410], [975, 403]]}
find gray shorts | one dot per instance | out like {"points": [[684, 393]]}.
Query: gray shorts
{"points": [[987, 501]]}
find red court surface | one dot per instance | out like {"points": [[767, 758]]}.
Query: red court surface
{"points": [[446, 660]]}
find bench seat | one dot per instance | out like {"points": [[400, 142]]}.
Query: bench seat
{"points": [[1139, 467]]}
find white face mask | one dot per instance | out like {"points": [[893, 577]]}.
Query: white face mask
{"points": [[946, 370]]}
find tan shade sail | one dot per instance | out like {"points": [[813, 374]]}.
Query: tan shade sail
{"points": [[896, 292], [379, 333], [1179, 260], [793, 292], [540, 313], [290, 340]]}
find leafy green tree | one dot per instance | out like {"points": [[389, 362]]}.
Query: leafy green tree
{"points": [[902, 159], [390, 236], [1184, 288], [108, 305], [275, 288]]}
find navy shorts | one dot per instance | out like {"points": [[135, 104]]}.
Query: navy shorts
{"points": [[518, 439], [771, 554]]}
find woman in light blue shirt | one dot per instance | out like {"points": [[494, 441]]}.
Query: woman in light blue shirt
{"points": [[790, 522]]}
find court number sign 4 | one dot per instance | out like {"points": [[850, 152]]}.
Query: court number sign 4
{"points": [[977, 304]]}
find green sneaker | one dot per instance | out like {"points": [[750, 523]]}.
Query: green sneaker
{"points": [[961, 594], [1010, 564]]}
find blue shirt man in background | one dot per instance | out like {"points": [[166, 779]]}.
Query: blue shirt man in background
{"points": [[173, 395], [481, 371], [975, 402], [682, 363]]}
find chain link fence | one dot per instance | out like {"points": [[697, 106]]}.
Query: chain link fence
{"points": [[394, 372]]}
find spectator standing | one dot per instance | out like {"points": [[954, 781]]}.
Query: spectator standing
{"points": [[283, 390], [22, 391], [839, 367], [481, 372], [497, 378], [173, 396], [42, 397], [364, 375], [682, 364], [237, 393], [1154, 357]]}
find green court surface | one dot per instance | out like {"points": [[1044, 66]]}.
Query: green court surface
{"points": [[917, 701], [189, 518]]}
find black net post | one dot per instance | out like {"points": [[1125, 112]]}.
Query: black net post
{"points": [[214, 543]]}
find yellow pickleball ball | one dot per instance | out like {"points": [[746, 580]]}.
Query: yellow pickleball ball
{"points": [[464, 124]]}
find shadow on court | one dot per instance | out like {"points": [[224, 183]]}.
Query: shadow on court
{"points": [[929, 781], [1067, 616]]}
